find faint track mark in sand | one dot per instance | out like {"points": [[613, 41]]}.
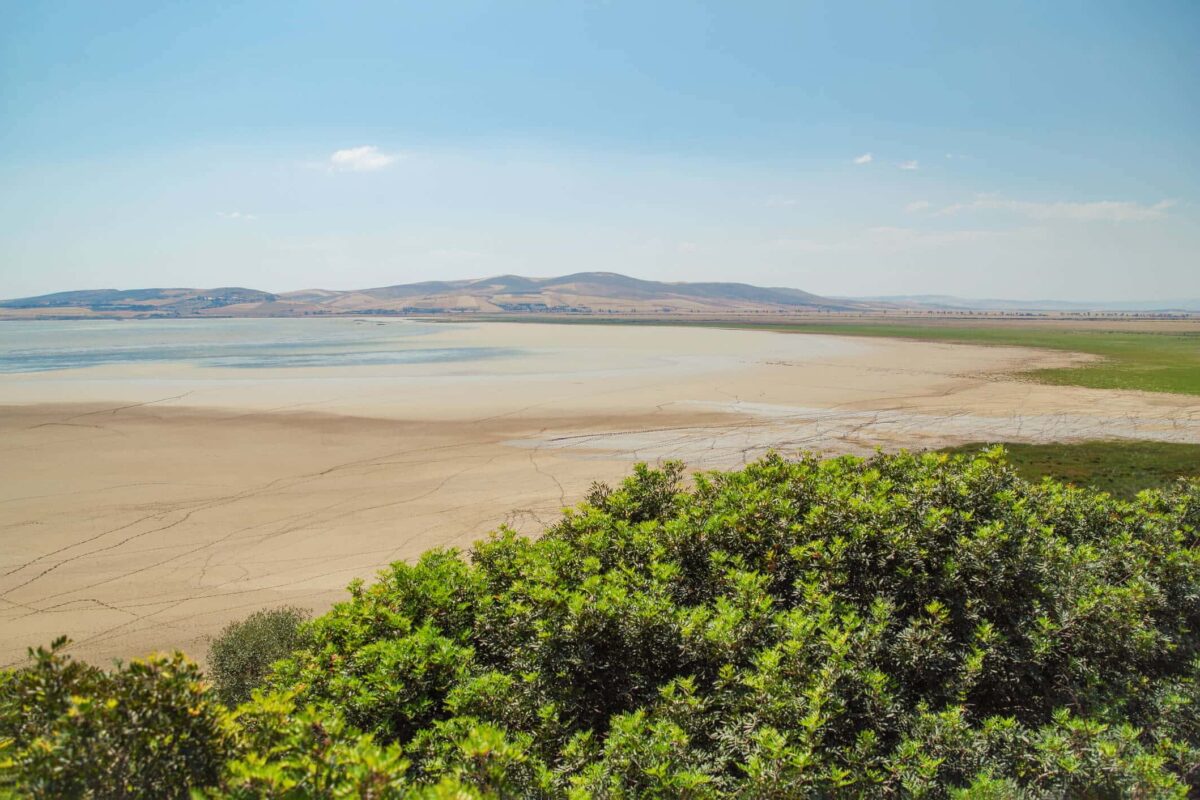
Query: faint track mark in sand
{"points": [[308, 516], [110, 411]]}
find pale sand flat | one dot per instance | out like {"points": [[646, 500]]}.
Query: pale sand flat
{"points": [[143, 507]]}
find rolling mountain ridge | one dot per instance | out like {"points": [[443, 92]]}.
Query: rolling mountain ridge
{"points": [[584, 292]]}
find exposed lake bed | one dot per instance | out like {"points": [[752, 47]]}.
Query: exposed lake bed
{"points": [[167, 477]]}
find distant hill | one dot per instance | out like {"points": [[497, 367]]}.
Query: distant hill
{"points": [[179, 301], [583, 292]]}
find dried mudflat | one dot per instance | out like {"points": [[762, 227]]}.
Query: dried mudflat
{"points": [[142, 507]]}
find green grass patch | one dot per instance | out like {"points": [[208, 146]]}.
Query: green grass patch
{"points": [[1145, 361], [1120, 468], [1150, 361]]}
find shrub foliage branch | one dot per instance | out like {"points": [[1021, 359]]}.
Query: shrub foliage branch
{"points": [[897, 626]]}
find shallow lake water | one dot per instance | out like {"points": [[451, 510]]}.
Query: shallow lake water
{"points": [[40, 346]]}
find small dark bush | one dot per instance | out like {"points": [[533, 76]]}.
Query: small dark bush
{"points": [[242, 654]]}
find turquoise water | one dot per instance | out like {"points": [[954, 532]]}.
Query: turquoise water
{"points": [[41, 346]]}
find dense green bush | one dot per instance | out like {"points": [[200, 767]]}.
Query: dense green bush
{"points": [[145, 730], [898, 626], [241, 655]]}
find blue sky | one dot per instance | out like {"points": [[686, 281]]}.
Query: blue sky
{"points": [[1007, 149]]}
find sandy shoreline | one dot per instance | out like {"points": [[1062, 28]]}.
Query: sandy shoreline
{"points": [[142, 507]]}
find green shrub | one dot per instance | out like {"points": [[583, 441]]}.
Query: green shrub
{"points": [[145, 730], [897, 626], [241, 655], [302, 754]]}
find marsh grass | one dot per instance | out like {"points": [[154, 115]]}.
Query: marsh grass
{"points": [[1120, 468], [1140, 360], [1149, 361]]}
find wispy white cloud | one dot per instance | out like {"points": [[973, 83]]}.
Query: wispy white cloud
{"points": [[235, 215], [1096, 211], [917, 206], [909, 165], [865, 158], [367, 158]]}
